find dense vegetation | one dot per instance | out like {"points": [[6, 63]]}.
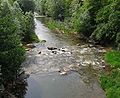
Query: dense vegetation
{"points": [[110, 81], [98, 21], [16, 28]]}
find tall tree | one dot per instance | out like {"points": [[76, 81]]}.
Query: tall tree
{"points": [[11, 52], [85, 22]]}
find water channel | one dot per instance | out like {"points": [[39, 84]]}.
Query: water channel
{"points": [[60, 68]]}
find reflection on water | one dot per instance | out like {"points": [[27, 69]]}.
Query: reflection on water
{"points": [[81, 65]]}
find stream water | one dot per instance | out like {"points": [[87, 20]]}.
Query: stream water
{"points": [[67, 71]]}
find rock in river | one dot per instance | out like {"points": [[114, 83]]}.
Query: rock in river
{"points": [[51, 48], [30, 46]]}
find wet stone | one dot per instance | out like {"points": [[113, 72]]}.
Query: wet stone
{"points": [[55, 52], [39, 52], [51, 48]]}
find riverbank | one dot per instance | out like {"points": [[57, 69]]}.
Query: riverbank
{"points": [[111, 61], [60, 68], [110, 80]]}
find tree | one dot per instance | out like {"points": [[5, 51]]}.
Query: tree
{"points": [[29, 33], [84, 19], [11, 51], [108, 23], [27, 5]]}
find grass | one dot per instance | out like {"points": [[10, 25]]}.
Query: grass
{"points": [[62, 27], [110, 81], [113, 58]]}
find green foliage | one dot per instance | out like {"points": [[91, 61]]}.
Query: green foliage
{"points": [[97, 20], [26, 24], [43, 7], [15, 26], [58, 25], [82, 23], [108, 20], [29, 33], [53, 8], [8, 34], [56, 9], [111, 83], [113, 58], [11, 63], [74, 6], [84, 18], [27, 5], [11, 52]]}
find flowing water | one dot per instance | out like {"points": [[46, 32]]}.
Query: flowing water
{"points": [[59, 68]]}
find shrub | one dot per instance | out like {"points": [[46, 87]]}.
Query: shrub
{"points": [[27, 5], [108, 23], [11, 53], [11, 63], [29, 29], [85, 17], [113, 58], [111, 83]]}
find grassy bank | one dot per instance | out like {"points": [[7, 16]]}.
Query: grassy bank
{"points": [[110, 81], [60, 27]]}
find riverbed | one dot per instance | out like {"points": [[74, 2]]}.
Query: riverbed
{"points": [[60, 67]]}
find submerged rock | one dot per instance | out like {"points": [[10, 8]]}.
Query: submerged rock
{"points": [[43, 41], [51, 48]]}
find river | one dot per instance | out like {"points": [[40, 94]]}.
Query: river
{"points": [[67, 71]]}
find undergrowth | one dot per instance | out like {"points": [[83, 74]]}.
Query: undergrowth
{"points": [[110, 81]]}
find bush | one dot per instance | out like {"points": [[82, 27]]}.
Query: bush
{"points": [[58, 25], [84, 19], [113, 58], [108, 23], [53, 8], [111, 83], [29, 29], [27, 5], [11, 63], [11, 52], [25, 23]]}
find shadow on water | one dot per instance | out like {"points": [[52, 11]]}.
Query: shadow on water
{"points": [[68, 71], [15, 89]]}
